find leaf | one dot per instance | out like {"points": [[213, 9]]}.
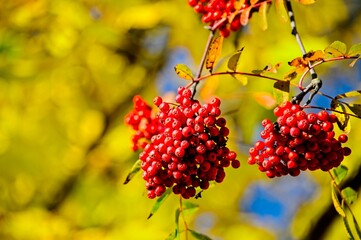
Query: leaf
{"points": [[343, 119], [355, 93], [281, 91], [340, 173], [281, 10], [355, 50], [233, 62], [349, 194], [198, 235], [245, 16], [291, 75], [183, 71], [243, 79], [189, 207], [177, 214], [172, 235], [336, 49], [263, 15], [358, 230], [314, 56], [135, 169], [159, 202], [214, 51], [355, 108], [307, 2], [348, 228], [336, 202]]}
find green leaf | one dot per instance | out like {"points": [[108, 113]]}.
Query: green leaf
{"points": [[189, 207], [233, 62], [159, 202], [199, 236], [135, 169], [355, 50], [349, 195], [340, 173], [183, 71], [336, 202], [177, 214], [336, 49], [348, 228], [214, 51], [281, 91]]}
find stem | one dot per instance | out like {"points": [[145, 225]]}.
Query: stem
{"points": [[183, 217], [235, 73], [199, 73]]}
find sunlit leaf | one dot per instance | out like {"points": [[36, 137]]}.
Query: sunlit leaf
{"points": [[233, 61], [183, 71], [357, 226], [336, 49], [348, 228], [271, 68], [281, 91], [349, 194], [340, 173], [263, 15], [281, 10], [199, 236], [343, 119], [313, 56], [306, 2], [336, 202], [159, 202], [243, 79], [214, 51], [355, 93], [355, 108], [135, 169], [245, 16], [355, 50]]}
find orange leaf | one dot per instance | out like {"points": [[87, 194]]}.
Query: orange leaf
{"points": [[214, 51]]}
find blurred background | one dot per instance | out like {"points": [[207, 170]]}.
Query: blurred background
{"points": [[68, 72]]}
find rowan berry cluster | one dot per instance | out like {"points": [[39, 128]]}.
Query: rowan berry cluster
{"points": [[190, 151], [298, 141], [143, 122], [214, 11]]}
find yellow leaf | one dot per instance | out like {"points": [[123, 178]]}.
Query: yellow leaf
{"points": [[336, 202], [214, 51], [245, 16], [183, 71], [281, 10], [307, 2], [262, 14], [281, 91]]}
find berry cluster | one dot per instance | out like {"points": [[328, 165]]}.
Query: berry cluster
{"points": [[298, 141], [143, 122], [190, 151], [214, 11]]}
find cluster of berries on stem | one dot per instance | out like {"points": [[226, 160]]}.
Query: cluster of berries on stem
{"points": [[298, 141], [190, 150], [225, 14]]}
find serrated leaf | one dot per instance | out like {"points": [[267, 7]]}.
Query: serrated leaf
{"points": [[159, 202], [336, 202], [355, 50], [340, 173], [244, 18], [199, 236], [336, 49], [348, 228], [343, 119], [349, 194], [233, 62], [263, 15], [183, 71], [281, 91], [281, 10], [135, 169], [243, 79], [213, 53]]}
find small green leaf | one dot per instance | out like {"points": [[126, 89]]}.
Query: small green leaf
{"points": [[233, 62], [183, 71], [214, 51], [281, 91], [336, 49], [340, 173], [199, 236], [336, 202], [349, 195], [159, 202], [355, 50], [135, 169]]}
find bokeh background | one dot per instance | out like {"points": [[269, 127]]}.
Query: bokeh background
{"points": [[68, 72]]}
